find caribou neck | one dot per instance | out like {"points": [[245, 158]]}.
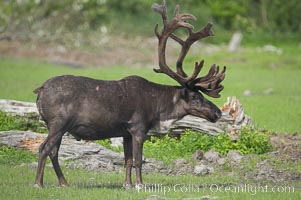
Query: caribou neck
{"points": [[172, 107]]}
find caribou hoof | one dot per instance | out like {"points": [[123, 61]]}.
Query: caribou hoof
{"points": [[127, 186], [64, 184], [36, 185]]}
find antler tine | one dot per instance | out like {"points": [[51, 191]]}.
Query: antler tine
{"points": [[210, 83], [179, 20], [162, 10], [212, 93], [193, 37]]}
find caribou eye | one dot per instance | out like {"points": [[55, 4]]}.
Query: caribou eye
{"points": [[196, 97]]}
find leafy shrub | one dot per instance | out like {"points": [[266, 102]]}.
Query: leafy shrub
{"points": [[13, 156], [170, 148], [23, 123], [253, 142], [6, 122], [49, 18], [107, 143]]}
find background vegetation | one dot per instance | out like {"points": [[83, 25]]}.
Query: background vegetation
{"points": [[47, 19]]}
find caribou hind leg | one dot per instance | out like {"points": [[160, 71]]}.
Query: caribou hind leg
{"points": [[50, 148], [54, 159]]}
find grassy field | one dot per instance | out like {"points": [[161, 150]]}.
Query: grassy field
{"points": [[18, 168], [250, 69], [16, 182]]}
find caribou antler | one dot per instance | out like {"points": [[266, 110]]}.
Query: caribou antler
{"points": [[209, 84]]}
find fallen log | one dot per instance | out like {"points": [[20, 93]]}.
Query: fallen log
{"points": [[77, 154], [232, 120], [14, 107]]}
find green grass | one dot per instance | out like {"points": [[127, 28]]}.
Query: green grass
{"points": [[13, 156], [248, 69], [17, 182], [17, 177], [18, 78]]}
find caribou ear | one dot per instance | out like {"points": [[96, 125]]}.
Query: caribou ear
{"points": [[181, 94], [184, 94]]}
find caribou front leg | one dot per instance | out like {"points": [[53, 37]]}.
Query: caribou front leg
{"points": [[128, 161], [138, 147]]}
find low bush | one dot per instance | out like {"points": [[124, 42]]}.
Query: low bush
{"points": [[170, 148], [23, 123], [107, 143], [14, 156]]}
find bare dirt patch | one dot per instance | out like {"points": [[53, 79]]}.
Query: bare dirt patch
{"points": [[288, 146], [281, 165], [133, 52], [32, 144], [100, 52]]}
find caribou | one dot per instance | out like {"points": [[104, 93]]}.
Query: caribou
{"points": [[91, 109]]}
